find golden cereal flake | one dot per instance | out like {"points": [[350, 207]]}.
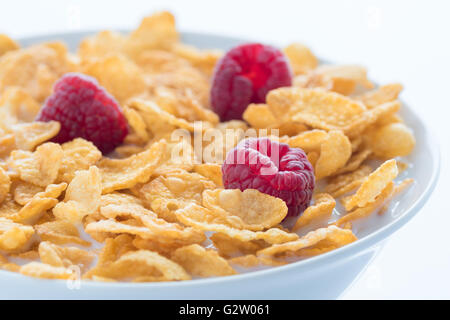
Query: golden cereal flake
{"points": [[45, 62], [100, 45], [300, 57], [14, 236], [66, 257], [202, 262], [202, 219], [39, 204], [78, 154], [155, 32], [82, 196], [248, 209], [315, 242], [5, 184], [375, 183], [60, 232], [141, 264], [383, 94], [40, 167], [46, 271], [29, 135], [335, 151], [391, 140], [7, 44], [316, 108], [19, 105], [321, 210], [119, 75], [120, 174]]}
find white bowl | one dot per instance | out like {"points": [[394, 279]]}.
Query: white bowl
{"points": [[322, 277]]}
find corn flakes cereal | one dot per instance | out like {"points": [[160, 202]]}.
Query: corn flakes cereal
{"points": [[390, 141], [375, 183], [5, 184], [346, 182], [321, 210], [60, 232], [78, 154], [40, 167], [229, 247], [369, 208], [137, 124], [141, 263], [250, 209], [39, 204], [120, 174], [355, 161], [155, 205], [58, 256], [44, 62], [301, 58], [7, 44], [202, 262], [200, 218], [155, 32], [14, 236], [212, 171], [316, 108], [29, 135], [118, 75], [383, 94], [101, 44], [18, 105], [82, 196], [334, 154], [6, 265], [308, 141], [156, 228], [345, 78], [169, 192], [259, 116], [313, 243], [46, 271]]}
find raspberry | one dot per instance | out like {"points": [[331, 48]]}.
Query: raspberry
{"points": [[245, 75], [272, 168], [84, 109]]}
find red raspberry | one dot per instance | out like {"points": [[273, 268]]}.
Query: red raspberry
{"points": [[85, 109], [272, 168], [245, 75]]}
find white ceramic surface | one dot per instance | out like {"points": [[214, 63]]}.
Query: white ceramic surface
{"points": [[325, 276]]}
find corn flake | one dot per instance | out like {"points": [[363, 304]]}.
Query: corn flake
{"points": [[40, 167], [321, 209], [390, 141], [202, 262], [60, 232], [29, 135], [14, 236], [7, 44], [5, 184], [334, 154], [375, 183], [313, 243], [203, 219], [120, 174], [82, 196], [248, 209], [78, 154]]}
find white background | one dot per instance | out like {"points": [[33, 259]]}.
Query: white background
{"points": [[405, 41]]}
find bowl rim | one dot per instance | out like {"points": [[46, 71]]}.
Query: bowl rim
{"points": [[316, 262]]}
